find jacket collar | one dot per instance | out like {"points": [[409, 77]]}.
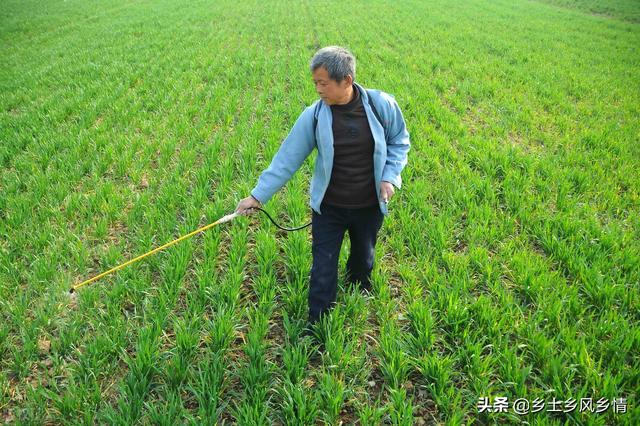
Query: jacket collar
{"points": [[363, 92]]}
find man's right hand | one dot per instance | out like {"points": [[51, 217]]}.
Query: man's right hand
{"points": [[244, 206]]}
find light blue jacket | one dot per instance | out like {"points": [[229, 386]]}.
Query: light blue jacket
{"points": [[389, 154]]}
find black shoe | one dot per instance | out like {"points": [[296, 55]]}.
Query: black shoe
{"points": [[309, 331], [366, 289]]}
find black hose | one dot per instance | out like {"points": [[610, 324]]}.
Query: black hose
{"points": [[274, 222]]}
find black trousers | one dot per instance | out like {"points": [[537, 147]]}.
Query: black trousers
{"points": [[327, 232]]}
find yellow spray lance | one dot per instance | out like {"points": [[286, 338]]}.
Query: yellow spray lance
{"points": [[223, 219]]}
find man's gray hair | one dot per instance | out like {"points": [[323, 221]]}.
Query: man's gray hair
{"points": [[338, 62]]}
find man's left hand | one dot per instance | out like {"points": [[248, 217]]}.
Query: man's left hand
{"points": [[386, 190]]}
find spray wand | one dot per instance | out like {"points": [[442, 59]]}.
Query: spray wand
{"points": [[223, 219]]}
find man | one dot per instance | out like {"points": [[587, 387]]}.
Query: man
{"points": [[362, 144]]}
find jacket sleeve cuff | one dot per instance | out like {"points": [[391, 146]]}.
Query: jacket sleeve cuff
{"points": [[262, 197], [394, 180]]}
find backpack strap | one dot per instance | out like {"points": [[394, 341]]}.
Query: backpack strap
{"points": [[375, 112], [316, 111]]}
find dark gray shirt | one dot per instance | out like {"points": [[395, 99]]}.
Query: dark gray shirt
{"points": [[352, 182]]}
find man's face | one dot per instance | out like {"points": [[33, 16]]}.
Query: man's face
{"points": [[330, 90]]}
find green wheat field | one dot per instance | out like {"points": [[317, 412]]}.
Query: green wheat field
{"points": [[509, 266]]}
